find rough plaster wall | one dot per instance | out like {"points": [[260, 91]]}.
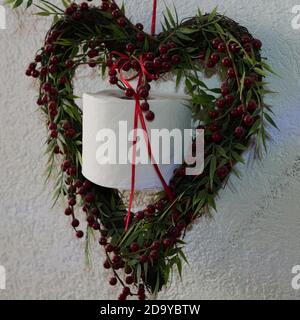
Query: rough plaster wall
{"points": [[245, 252]]}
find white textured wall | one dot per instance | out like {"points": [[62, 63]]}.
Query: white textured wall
{"points": [[247, 250]]}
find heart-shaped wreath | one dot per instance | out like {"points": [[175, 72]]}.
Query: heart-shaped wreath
{"points": [[143, 256]]}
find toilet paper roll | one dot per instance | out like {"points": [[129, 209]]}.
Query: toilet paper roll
{"points": [[108, 119]]}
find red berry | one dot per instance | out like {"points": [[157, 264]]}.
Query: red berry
{"points": [[113, 281], [155, 245], [69, 63], [139, 26], [130, 47], [163, 49], [122, 22], [215, 57], [216, 136], [128, 270], [153, 254], [113, 80], [143, 258], [49, 49], [210, 64], [93, 53], [68, 211], [52, 105], [116, 13], [92, 63], [109, 248], [239, 132], [226, 62], [213, 114], [248, 47], [145, 106], [181, 225], [70, 10], [252, 106], [126, 291], [234, 48], [53, 68], [222, 47], [121, 296], [225, 91], [79, 234], [248, 120], [215, 43], [89, 198], [167, 243], [176, 59], [151, 209], [150, 116], [257, 44], [159, 205], [140, 36], [248, 82], [241, 109], [35, 74], [222, 172], [141, 296], [144, 93], [106, 264], [171, 45], [70, 133], [134, 247], [129, 280], [103, 241], [104, 6], [38, 58], [166, 66], [129, 92], [231, 73], [139, 215], [96, 226], [44, 71], [116, 259], [53, 134], [157, 62], [234, 113], [63, 80], [245, 39], [75, 223], [229, 99], [52, 126], [84, 6], [220, 103], [87, 185], [150, 56]]}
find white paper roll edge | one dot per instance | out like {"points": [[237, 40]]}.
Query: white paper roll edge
{"points": [[104, 110]]}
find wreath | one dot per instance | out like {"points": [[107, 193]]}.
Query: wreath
{"points": [[234, 117]]}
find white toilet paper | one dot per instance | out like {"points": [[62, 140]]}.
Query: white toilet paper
{"points": [[110, 110]]}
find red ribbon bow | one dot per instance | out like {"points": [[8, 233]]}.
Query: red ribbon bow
{"points": [[139, 117]]}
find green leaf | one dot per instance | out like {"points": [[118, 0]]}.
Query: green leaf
{"points": [[212, 14], [186, 30], [270, 120], [221, 152], [237, 157], [170, 16], [261, 72], [212, 170]]}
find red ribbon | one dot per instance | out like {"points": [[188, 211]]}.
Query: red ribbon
{"points": [[153, 25], [138, 115]]}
